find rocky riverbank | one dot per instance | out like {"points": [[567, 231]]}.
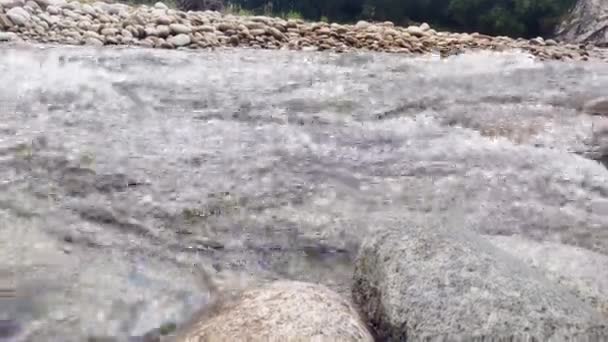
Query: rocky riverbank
{"points": [[99, 23]]}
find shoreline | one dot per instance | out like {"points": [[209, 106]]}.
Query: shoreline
{"points": [[101, 24]]}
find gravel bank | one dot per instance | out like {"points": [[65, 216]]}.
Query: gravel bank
{"points": [[99, 24]]}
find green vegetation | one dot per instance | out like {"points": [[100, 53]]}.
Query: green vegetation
{"points": [[238, 10], [167, 328], [525, 18], [293, 15]]}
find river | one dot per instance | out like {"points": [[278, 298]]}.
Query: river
{"points": [[138, 185]]}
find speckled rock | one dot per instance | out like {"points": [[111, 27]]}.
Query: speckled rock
{"points": [[582, 272], [436, 282], [282, 311]]}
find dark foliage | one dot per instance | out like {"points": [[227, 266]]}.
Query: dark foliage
{"points": [[200, 5], [525, 18]]}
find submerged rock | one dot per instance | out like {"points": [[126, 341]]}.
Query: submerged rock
{"points": [[597, 106]]}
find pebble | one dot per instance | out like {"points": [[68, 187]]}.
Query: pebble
{"points": [[179, 40], [5, 22], [537, 41], [415, 31], [90, 10], [58, 3], [257, 32], [146, 43], [110, 31], [163, 31], [179, 29], [112, 40], [53, 10], [32, 5], [151, 32], [93, 42], [160, 5], [8, 4], [165, 45], [234, 40], [18, 16], [163, 20], [225, 27], [43, 3], [275, 33], [8, 36]]}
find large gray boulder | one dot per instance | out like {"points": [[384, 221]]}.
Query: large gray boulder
{"points": [[586, 22], [422, 282], [282, 311]]}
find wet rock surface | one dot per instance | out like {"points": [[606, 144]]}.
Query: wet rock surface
{"points": [[129, 200]]}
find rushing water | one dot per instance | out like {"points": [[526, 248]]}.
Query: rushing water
{"points": [[136, 185]]}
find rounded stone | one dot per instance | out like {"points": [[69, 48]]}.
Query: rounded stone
{"points": [[180, 29], [7, 36], [163, 31], [282, 311], [18, 16], [434, 282], [179, 40], [160, 5]]}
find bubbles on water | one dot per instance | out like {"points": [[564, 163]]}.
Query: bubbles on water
{"points": [[316, 151]]}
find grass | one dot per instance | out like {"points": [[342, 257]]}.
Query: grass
{"points": [[293, 15], [237, 10]]}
